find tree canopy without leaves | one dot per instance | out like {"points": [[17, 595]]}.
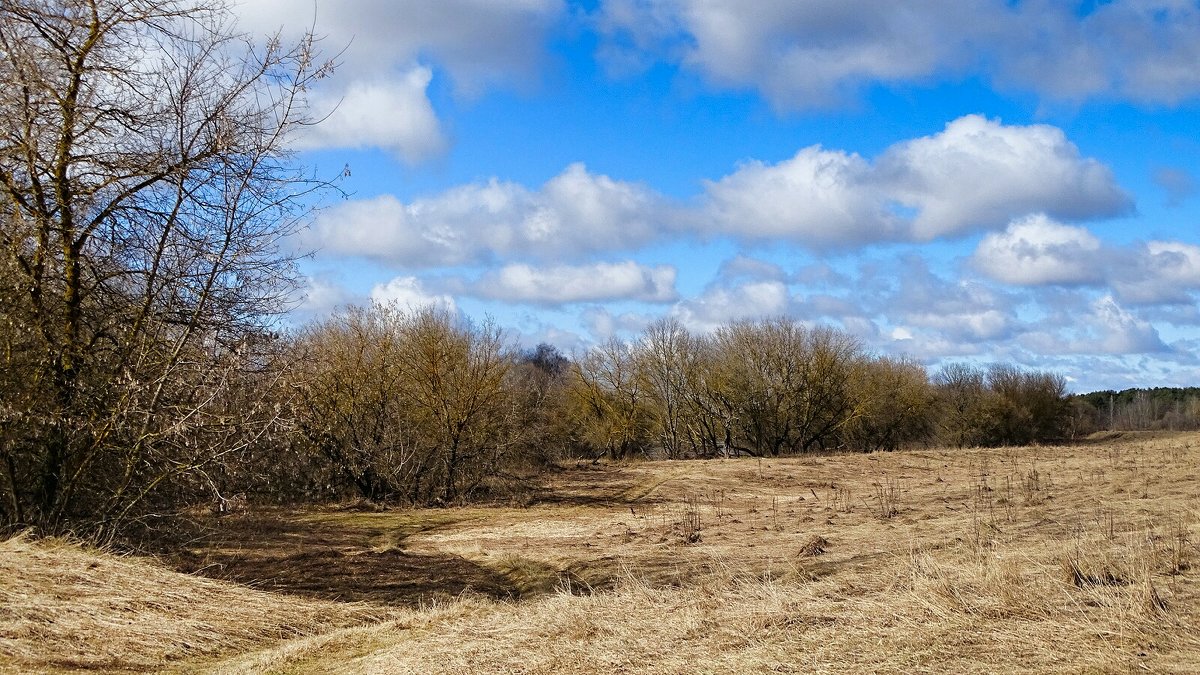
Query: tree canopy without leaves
{"points": [[145, 194], [414, 406]]}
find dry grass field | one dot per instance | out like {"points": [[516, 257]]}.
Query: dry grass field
{"points": [[1051, 559]]}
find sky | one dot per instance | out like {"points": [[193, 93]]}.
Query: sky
{"points": [[949, 180]]}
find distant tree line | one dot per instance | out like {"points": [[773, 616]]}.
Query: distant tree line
{"points": [[1160, 408], [424, 407], [776, 387]]}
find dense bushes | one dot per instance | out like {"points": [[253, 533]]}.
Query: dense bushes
{"points": [[778, 387], [405, 406], [999, 406], [422, 407]]}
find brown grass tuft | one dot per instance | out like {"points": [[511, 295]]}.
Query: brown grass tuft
{"points": [[814, 546]]}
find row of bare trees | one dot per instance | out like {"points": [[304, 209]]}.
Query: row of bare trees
{"points": [[778, 387], [421, 406]]}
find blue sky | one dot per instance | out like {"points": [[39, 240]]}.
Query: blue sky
{"points": [[983, 180]]}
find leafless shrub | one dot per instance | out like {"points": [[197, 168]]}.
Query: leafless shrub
{"points": [[406, 405]]}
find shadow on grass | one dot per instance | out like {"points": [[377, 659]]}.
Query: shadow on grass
{"points": [[333, 560]]}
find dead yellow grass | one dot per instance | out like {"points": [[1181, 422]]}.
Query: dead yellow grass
{"points": [[64, 607], [1050, 559]]}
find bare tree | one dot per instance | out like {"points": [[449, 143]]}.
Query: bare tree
{"points": [[539, 381], [455, 376], [1001, 405], [348, 384], [146, 192], [894, 404], [609, 400], [786, 387], [405, 405], [962, 392], [666, 356], [1025, 407]]}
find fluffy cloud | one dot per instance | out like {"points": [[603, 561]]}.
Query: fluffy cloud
{"points": [[1144, 50], [503, 40], [574, 213], [322, 294], [1159, 272], [822, 198], [1036, 251], [586, 283], [984, 325], [1118, 331], [954, 310], [390, 113], [723, 303], [1176, 262], [1104, 327], [977, 174], [410, 293], [385, 50], [812, 54]]}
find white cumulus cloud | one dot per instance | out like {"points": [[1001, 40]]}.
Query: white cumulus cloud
{"points": [[1036, 251], [976, 174], [410, 293], [1158, 272], [720, 304], [822, 198], [394, 114], [574, 213], [1117, 331], [387, 52], [478, 42], [583, 283]]}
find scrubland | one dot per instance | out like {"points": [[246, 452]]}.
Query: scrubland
{"points": [[1078, 558]]}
